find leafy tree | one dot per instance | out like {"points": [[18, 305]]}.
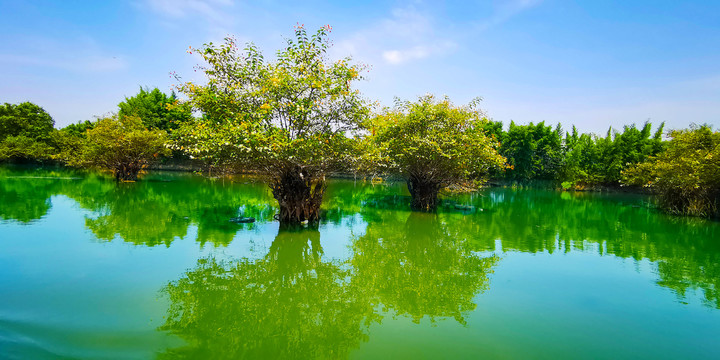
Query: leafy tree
{"points": [[25, 119], [686, 176], [156, 109], [79, 129], [533, 151], [591, 160], [25, 131], [120, 144], [434, 144], [287, 119]]}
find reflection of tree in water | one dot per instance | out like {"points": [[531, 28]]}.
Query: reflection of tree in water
{"points": [[686, 250], [289, 304], [25, 192], [157, 212], [25, 200], [421, 267]]}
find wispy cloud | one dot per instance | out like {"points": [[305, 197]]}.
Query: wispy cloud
{"points": [[504, 11], [399, 56], [406, 35], [209, 9], [215, 15]]}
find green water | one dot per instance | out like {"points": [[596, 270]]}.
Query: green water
{"points": [[90, 269]]}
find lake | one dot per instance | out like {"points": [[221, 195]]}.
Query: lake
{"points": [[91, 269]]}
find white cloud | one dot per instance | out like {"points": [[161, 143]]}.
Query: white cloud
{"points": [[406, 35], [399, 56]]}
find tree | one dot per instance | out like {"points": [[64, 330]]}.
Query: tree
{"points": [[686, 176], [156, 109], [120, 144], [434, 144], [79, 129], [25, 131], [289, 119], [533, 151]]}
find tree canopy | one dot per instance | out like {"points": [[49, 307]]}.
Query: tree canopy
{"points": [[156, 109], [686, 176], [434, 144], [120, 144], [290, 119], [25, 131]]}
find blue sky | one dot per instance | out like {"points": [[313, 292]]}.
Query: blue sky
{"points": [[593, 64]]}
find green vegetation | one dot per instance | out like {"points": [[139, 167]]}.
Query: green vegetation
{"points": [[686, 176], [25, 132], [533, 151], [288, 119], [156, 109], [119, 144], [594, 160], [434, 144], [540, 152]]}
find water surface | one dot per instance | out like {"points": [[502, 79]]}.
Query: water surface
{"points": [[91, 269]]}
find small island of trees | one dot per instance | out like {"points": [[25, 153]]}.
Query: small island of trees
{"points": [[298, 119]]}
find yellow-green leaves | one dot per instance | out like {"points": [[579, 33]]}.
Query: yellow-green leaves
{"points": [[434, 138], [298, 108]]}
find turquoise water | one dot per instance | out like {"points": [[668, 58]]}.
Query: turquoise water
{"points": [[91, 269]]}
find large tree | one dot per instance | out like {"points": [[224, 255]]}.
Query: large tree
{"points": [[25, 131], [119, 144], [156, 109], [434, 144], [289, 119]]}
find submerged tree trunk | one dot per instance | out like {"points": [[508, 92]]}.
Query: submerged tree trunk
{"points": [[424, 193], [127, 171], [299, 193]]}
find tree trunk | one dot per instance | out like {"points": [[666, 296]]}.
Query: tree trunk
{"points": [[424, 193], [127, 171], [299, 193]]}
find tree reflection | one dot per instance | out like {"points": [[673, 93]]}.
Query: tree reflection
{"points": [[420, 267], [686, 250], [157, 212], [25, 192], [288, 305]]}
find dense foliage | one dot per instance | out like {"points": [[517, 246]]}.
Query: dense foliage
{"points": [[434, 144], [288, 119], [120, 144], [78, 129], [541, 152], [686, 176], [25, 132], [156, 109], [533, 151]]}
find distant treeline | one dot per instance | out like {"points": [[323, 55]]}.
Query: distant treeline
{"points": [[543, 152]]}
